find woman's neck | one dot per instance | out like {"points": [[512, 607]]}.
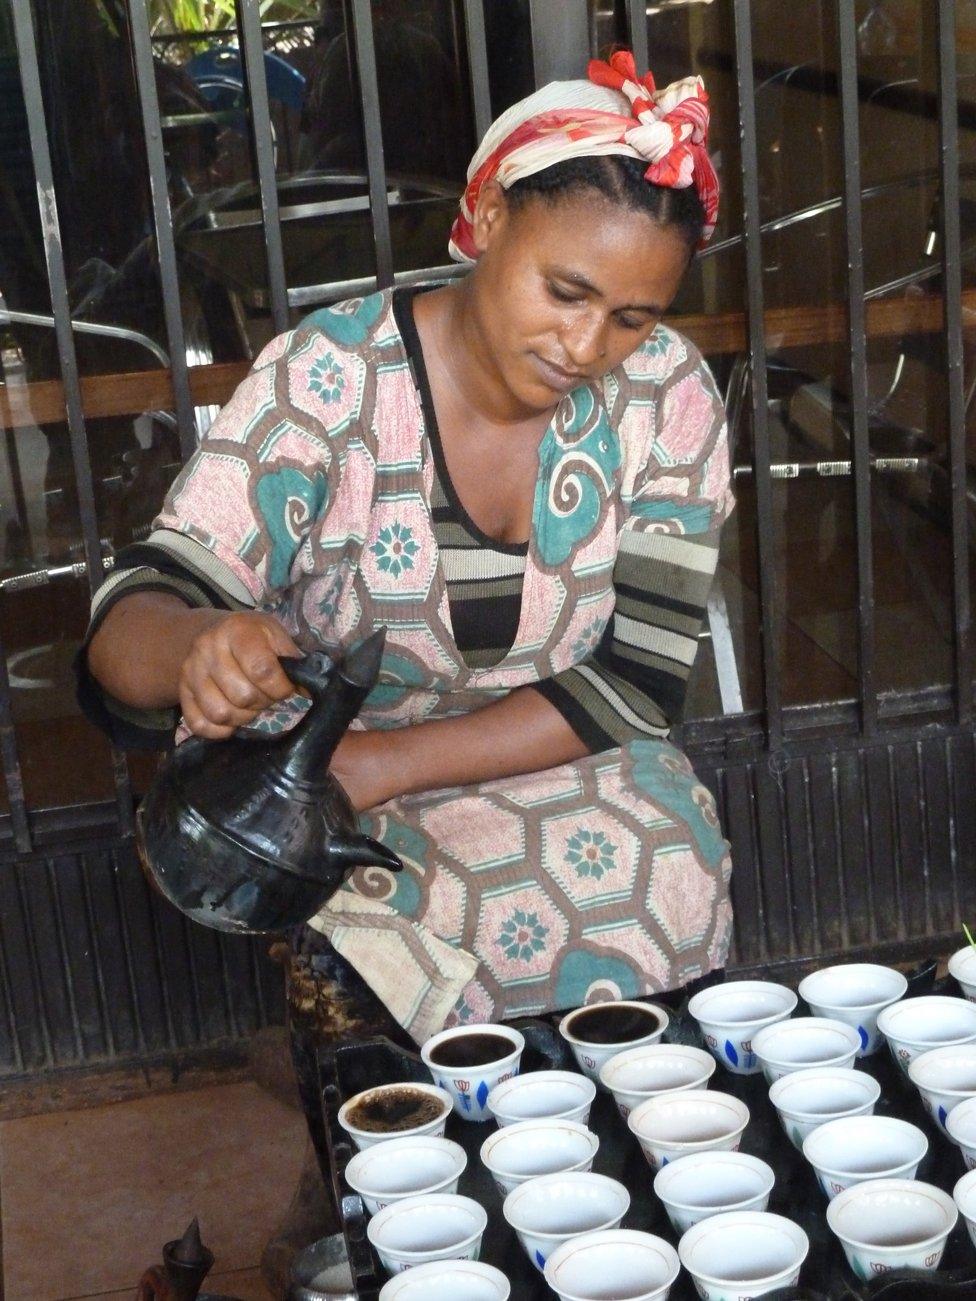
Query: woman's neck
{"points": [[448, 320]]}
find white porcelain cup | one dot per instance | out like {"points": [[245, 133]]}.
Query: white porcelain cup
{"points": [[854, 992], [892, 1223], [915, 1025], [448, 1280], [743, 1254], [675, 1125], [469, 1086], [804, 1042], [961, 1128], [591, 1056], [364, 1138], [944, 1077], [548, 1211], [641, 1073], [620, 1263], [964, 1195], [711, 1183], [729, 1015], [861, 1148], [437, 1226], [805, 1100], [405, 1167], [962, 968], [537, 1147], [535, 1095]]}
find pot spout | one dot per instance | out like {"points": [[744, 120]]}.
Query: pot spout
{"points": [[357, 850]]}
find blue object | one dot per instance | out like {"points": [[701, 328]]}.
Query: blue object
{"points": [[730, 1052], [540, 1260], [219, 77], [864, 1038], [482, 1094]]}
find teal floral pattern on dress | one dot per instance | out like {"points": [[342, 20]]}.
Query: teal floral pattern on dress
{"points": [[350, 324], [590, 853], [288, 503], [588, 640], [522, 935], [395, 549], [578, 461], [326, 379]]}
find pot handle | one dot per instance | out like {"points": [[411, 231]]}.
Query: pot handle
{"points": [[310, 673]]}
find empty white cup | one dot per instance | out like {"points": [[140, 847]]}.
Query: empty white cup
{"points": [[915, 1025], [944, 1077], [861, 1148], [804, 1042], [674, 1125], [641, 1073], [964, 1195], [962, 968], [448, 1280], [961, 1128], [892, 1223], [805, 1100], [547, 1212], [854, 992], [438, 1226], [537, 1094], [405, 1167], [590, 1056], [364, 1138], [729, 1015], [711, 1183], [469, 1086], [743, 1254], [537, 1147], [620, 1263]]}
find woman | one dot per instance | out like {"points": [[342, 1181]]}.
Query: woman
{"points": [[523, 476]]}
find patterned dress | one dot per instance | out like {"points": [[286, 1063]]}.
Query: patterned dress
{"points": [[313, 496]]}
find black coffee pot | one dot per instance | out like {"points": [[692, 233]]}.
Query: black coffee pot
{"points": [[251, 835]]}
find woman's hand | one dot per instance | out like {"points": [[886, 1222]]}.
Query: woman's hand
{"points": [[231, 672]]}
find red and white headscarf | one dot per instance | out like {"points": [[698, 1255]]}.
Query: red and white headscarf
{"points": [[614, 112]]}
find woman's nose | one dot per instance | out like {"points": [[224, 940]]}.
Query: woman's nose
{"points": [[585, 341]]}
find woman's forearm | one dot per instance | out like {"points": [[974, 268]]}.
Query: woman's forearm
{"points": [[520, 733], [139, 650]]}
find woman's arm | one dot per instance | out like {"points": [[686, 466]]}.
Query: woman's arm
{"points": [[220, 667], [518, 734]]}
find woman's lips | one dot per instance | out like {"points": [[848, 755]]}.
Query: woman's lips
{"points": [[555, 376]]}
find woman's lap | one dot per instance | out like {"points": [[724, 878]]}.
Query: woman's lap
{"points": [[529, 894]]}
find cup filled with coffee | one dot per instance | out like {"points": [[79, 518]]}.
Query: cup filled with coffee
{"points": [[395, 1111], [467, 1062], [601, 1030]]}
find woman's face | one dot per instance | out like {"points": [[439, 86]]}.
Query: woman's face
{"points": [[566, 289]]}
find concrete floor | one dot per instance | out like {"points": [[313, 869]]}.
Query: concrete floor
{"points": [[88, 1197]]}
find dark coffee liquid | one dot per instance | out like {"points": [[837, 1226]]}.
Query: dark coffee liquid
{"points": [[468, 1050], [608, 1023], [390, 1110]]}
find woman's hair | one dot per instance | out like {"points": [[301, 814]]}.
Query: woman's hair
{"points": [[621, 180]]}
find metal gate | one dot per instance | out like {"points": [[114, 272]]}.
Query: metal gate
{"points": [[851, 814]]}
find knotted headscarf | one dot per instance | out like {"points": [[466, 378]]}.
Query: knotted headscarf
{"points": [[614, 112]]}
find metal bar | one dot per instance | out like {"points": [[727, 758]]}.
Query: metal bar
{"points": [[857, 346], [312, 295], [57, 282], [560, 39], [952, 290], [252, 50], [162, 221], [474, 30], [768, 615], [369, 92], [637, 22], [12, 772]]}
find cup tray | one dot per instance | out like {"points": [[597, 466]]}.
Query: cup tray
{"points": [[349, 1068]]}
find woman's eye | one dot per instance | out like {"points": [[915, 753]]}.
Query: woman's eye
{"points": [[632, 323], [563, 295]]}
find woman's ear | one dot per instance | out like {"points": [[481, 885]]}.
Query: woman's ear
{"points": [[490, 215]]}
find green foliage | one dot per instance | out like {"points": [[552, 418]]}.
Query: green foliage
{"points": [[214, 15]]}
